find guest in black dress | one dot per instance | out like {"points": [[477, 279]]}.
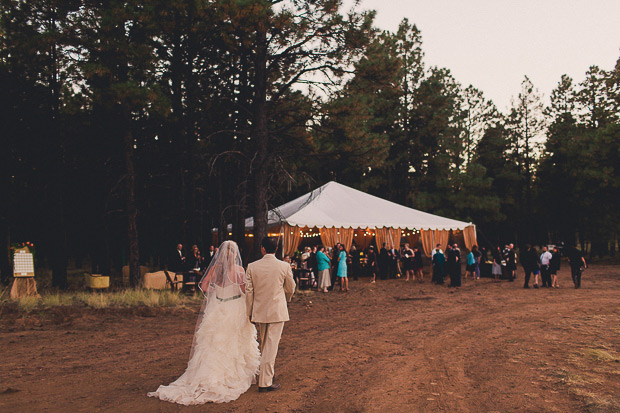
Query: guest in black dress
{"points": [[355, 267], [454, 262], [448, 254], [384, 262], [393, 270], [418, 265], [554, 267], [407, 259], [333, 255], [371, 263]]}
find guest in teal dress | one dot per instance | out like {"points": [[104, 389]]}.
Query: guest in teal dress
{"points": [[342, 270], [438, 266]]}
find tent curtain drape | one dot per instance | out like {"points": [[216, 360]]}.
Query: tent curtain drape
{"points": [[291, 239], [381, 238], [442, 237], [427, 241], [328, 236], [362, 241], [469, 235], [394, 237], [413, 239], [346, 237], [332, 236], [430, 238], [391, 237]]}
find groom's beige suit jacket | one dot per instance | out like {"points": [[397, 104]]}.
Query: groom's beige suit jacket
{"points": [[269, 285]]}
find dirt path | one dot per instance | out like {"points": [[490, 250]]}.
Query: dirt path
{"points": [[390, 346]]}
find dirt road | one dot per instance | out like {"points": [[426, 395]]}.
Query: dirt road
{"points": [[391, 346]]}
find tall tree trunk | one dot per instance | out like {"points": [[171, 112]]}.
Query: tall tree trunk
{"points": [[239, 214], [58, 231], [58, 244], [132, 210], [5, 265], [261, 135], [222, 227]]}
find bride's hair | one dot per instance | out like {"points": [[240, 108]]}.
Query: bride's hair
{"points": [[225, 269]]}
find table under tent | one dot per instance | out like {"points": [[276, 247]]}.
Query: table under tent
{"points": [[340, 214]]}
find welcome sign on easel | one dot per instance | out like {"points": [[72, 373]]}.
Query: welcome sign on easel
{"points": [[23, 263]]}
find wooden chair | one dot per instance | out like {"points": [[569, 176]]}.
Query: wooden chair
{"points": [[154, 281], [173, 283], [304, 279], [190, 281]]}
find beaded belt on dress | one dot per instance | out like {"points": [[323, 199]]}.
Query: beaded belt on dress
{"points": [[229, 298]]}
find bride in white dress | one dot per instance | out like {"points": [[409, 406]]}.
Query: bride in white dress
{"points": [[224, 358]]}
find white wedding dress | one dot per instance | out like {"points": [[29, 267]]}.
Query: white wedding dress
{"points": [[225, 357]]}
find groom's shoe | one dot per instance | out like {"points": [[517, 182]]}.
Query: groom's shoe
{"points": [[273, 387]]}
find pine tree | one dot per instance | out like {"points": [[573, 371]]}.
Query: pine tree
{"points": [[526, 124], [117, 38], [302, 42]]}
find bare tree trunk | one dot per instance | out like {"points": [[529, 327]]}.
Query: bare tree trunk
{"points": [[222, 227], [239, 216], [5, 239], [132, 211], [261, 135], [57, 236]]}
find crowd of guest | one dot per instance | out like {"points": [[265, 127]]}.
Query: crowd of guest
{"points": [[330, 267], [544, 266], [326, 268]]}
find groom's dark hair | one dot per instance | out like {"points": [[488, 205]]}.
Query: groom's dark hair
{"points": [[270, 244]]}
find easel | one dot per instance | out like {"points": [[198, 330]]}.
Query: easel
{"points": [[24, 284]]}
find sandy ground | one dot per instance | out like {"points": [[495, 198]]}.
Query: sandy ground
{"points": [[392, 346]]}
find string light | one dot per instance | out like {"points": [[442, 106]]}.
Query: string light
{"points": [[311, 234]]}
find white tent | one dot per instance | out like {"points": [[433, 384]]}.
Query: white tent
{"points": [[341, 214]]}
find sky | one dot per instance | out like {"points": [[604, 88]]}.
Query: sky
{"points": [[494, 44]]}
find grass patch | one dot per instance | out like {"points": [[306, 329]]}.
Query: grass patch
{"points": [[56, 299], [596, 403], [123, 298], [27, 304], [600, 355]]}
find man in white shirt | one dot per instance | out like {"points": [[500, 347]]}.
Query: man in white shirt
{"points": [[437, 249], [177, 262], [545, 272]]}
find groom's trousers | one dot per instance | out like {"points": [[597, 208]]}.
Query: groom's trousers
{"points": [[269, 334]]}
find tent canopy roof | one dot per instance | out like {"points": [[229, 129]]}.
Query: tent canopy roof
{"points": [[334, 205]]}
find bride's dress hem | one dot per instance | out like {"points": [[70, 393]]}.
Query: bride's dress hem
{"points": [[225, 359]]}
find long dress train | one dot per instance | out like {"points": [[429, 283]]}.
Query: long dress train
{"points": [[225, 358]]}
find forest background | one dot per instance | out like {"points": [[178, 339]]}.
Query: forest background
{"points": [[130, 126]]}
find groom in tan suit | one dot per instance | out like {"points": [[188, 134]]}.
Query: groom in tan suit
{"points": [[269, 285]]}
